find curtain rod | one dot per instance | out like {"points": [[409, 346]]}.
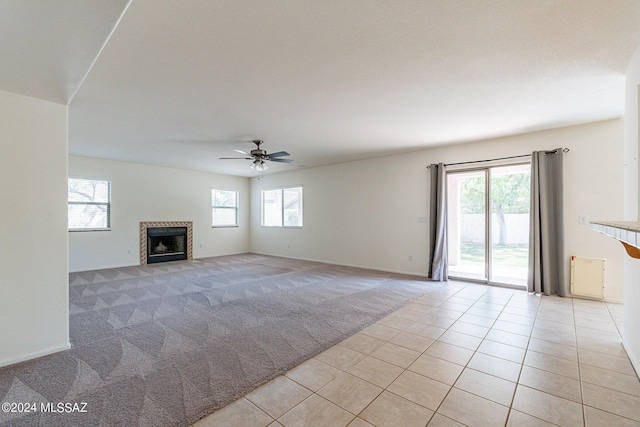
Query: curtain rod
{"points": [[564, 150]]}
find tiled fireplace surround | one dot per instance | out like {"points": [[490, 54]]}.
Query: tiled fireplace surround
{"points": [[143, 236]]}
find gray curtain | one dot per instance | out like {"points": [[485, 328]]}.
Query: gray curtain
{"points": [[438, 264], [546, 241]]}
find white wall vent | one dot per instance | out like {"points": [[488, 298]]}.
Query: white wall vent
{"points": [[587, 277]]}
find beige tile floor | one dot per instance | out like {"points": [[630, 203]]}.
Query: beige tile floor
{"points": [[465, 355]]}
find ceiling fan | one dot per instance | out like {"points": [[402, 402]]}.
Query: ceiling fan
{"points": [[258, 157]]}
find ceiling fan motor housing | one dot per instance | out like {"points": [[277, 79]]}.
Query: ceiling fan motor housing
{"points": [[258, 152], [258, 156]]}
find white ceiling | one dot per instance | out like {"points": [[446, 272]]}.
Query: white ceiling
{"points": [[47, 46], [184, 82]]}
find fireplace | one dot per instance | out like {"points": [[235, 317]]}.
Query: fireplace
{"points": [[166, 244], [165, 241]]}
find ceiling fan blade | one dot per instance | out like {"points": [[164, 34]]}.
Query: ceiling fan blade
{"points": [[240, 151], [235, 158], [279, 154], [282, 160]]}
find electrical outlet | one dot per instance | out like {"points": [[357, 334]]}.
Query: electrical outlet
{"points": [[129, 251], [410, 257], [583, 219]]}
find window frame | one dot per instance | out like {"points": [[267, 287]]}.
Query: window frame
{"points": [[282, 207], [106, 204], [235, 208]]}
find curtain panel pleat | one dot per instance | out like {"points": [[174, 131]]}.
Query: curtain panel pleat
{"points": [[547, 273], [438, 262]]}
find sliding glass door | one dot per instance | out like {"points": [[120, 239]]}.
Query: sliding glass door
{"points": [[467, 224], [488, 224], [510, 194]]}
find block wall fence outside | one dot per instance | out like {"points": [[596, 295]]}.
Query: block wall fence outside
{"points": [[517, 226]]}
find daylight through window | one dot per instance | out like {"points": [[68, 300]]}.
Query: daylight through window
{"points": [[282, 207], [224, 208], [89, 204]]}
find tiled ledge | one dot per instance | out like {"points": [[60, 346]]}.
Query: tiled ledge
{"points": [[627, 232]]}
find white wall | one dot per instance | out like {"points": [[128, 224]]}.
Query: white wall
{"points": [[34, 307], [365, 213], [154, 193], [632, 266]]}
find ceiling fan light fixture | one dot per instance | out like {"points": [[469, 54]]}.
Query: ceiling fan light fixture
{"points": [[260, 165], [258, 157]]}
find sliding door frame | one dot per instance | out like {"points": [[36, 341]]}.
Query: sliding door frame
{"points": [[488, 229]]}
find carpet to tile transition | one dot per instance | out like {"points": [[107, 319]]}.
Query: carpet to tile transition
{"points": [[166, 345]]}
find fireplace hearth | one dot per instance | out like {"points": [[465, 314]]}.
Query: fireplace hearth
{"points": [[165, 241]]}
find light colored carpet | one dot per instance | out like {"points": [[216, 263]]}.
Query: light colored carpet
{"points": [[165, 345]]}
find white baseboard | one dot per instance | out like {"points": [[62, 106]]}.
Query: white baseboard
{"points": [[34, 355], [106, 267], [590, 298], [366, 267]]}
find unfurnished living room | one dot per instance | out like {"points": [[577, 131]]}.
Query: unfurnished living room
{"points": [[319, 213]]}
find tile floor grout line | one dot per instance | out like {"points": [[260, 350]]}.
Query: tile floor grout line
{"points": [[539, 309], [584, 405], [575, 328], [407, 369], [527, 349], [515, 390], [452, 386]]}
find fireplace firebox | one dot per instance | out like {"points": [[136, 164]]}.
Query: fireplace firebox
{"points": [[166, 244]]}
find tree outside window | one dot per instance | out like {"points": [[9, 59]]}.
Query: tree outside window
{"points": [[89, 204]]}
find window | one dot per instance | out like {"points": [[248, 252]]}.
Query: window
{"points": [[282, 207], [224, 208], [89, 203]]}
